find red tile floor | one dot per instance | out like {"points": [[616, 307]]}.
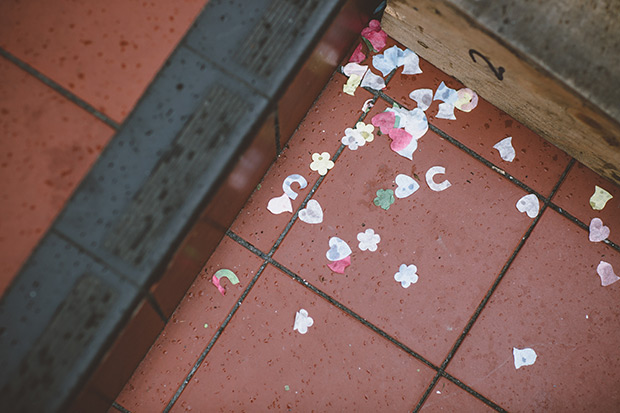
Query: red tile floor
{"points": [[490, 279]]}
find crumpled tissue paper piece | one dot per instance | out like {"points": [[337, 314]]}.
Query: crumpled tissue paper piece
{"points": [[224, 273], [312, 213], [506, 150], [280, 204], [302, 322], [606, 272], [599, 199], [598, 231], [340, 265], [423, 97], [437, 187], [529, 204], [523, 357]]}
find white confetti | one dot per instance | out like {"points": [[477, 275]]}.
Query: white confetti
{"points": [[506, 150], [523, 357], [406, 186], [302, 321], [528, 204], [312, 213], [423, 97], [430, 174]]}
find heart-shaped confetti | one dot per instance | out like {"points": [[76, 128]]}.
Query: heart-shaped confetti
{"points": [[312, 213], [280, 204], [598, 231], [607, 274], [406, 186], [529, 204], [599, 199], [340, 265], [384, 121], [400, 139], [506, 150], [430, 174], [302, 321], [338, 249], [523, 357]]}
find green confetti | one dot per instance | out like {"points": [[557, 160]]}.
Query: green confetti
{"points": [[206, 325], [397, 121], [258, 187], [287, 388], [385, 198]]}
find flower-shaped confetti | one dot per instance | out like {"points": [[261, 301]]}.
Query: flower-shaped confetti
{"points": [[406, 275], [368, 240], [302, 321], [353, 139], [321, 162], [365, 131], [385, 198]]}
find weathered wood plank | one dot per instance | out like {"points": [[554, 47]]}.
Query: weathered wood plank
{"points": [[532, 90]]}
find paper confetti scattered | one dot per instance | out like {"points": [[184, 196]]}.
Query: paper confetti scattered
{"points": [[294, 178], [352, 139], [599, 199], [523, 357], [430, 174], [446, 94], [394, 120], [606, 272], [352, 84], [598, 231], [353, 68], [373, 81], [406, 275], [423, 97], [365, 131], [384, 121], [287, 388], [446, 111], [506, 150], [280, 204], [367, 105], [406, 186], [528, 204], [312, 213], [384, 199], [338, 249], [410, 63], [357, 56], [368, 240], [321, 162], [340, 265], [224, 273], [375, 35], [395, 57], [466, 100], [302, 322]]}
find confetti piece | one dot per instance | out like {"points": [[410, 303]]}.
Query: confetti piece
{"points": [[353, 68], [375, 35], [528, 204], [338, 249], [321, 163], [446, 111], [365, 131], [286, 185], [367, 105], [312, 213], [598, 231], [280, 204], [351, 86], [287, 388], [606, 272], [387, 61], [446, 94], [352, 139], [506, 150], [430, 174], [400, 139], [423, 97], [410, 62], [372, 81], [406, 186], [406, 275], [523, 357], [368, 240], [466, 100], [357, 56], [385, 198], [340, 265], [384, 121], [224, 273], [302, 322], [599, 198]]}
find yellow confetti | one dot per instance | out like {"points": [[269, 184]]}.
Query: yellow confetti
{"points": [[351, 86], [599, 198]]}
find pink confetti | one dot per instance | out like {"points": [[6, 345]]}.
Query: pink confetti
{"points": [[375, 35], [400, 139], [606, 272], [216, 282], [339, 266], [357, 56], [385, 121]]}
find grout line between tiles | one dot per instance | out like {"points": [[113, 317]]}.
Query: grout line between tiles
{"points": [[471, 391], [60, 89], [213, 340], [427, 393], [120, 408]]}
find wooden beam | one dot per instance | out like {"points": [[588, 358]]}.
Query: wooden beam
{"points": [[512, 74]]}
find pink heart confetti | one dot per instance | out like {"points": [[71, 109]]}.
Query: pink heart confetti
{"points": [[606, 272], [375, 35], [384, 121], [400, 139], [339, 266], [598, 231]]}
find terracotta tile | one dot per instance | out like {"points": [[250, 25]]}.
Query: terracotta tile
{"points": [[574, 197], [537, 163], [448, 397], [48, 145], [551, 301], [320, 131], [459, 240], [184, 338], [261, 363], [106, 54]]}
